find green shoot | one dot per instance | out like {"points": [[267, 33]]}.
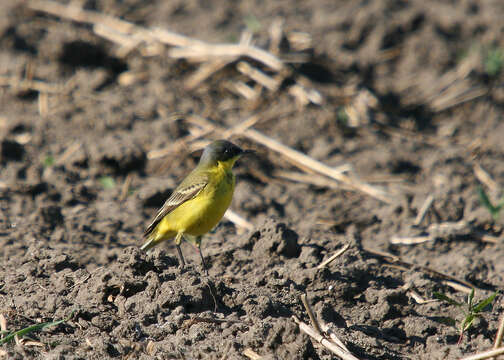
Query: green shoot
{"points": [[494, 61], [471, 312], [252, 23], [48, 161], [494, 210], [32, 328], [107, 182], [342, 117]]}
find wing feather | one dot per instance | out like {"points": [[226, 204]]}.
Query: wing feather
{"points": [[187, 190]]}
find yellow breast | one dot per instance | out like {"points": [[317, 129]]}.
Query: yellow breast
{"points": [[200, 214]]}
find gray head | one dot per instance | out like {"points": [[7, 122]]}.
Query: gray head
{"points": [[221, 151]]}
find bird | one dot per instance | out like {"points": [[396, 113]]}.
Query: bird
{"points": [[199, 202]]}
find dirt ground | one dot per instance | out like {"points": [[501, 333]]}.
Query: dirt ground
{"points": [[78, 187]]}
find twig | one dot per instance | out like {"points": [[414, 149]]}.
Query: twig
{"points": [[333, 257], [298, 158], [484, 177], [410, 240], [329, 331], [457, 287], [238, 220], [459, 96], [485, 354], [67, 153], [396, 260], [126, 41], [173, 39], [276, 34], [3, 323], [334, 348], [310, 313], [418, 298], [25, 84], [423, 210], [43, 104], [500, 333], [258, 76], [226, 350], [125, 188], [205, 71], [240, 88], [204, 51], [251, 354]]}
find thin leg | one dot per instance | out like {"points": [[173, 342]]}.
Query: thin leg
{"points": [[198, 244], [178, 240]]}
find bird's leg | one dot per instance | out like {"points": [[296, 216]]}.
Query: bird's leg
{"points": [[178, 240], [198, 245]]}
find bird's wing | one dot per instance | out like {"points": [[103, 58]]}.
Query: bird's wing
{"points": [[187, 190]]}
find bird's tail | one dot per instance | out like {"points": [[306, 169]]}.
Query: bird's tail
{"points": [[149, 244], [155, 239]]}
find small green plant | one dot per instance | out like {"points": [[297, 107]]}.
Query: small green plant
{"points": [[107, 182], [471, 311], [494, 61], [48, 161], [342, 117], [10, 335], [494, 210], [252, 23]]}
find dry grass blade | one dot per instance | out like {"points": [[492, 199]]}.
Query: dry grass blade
{"points": [[459, 95], [328, 330], [25, 84], [458, 287], [3, 323], [485, 354], [484, 177], [68, 153], [500, 333], [418, 298], [334, 348], [205, 71], [43, 104], [276, 34], [174, 39], [124, 40], [238, 220], [310, 313], [301, 160], [240, 88], [78, 14], [204, 52], [410, 240], [251, 354], [423, 210], [333, 257], [336, 345], [258, 76], [125, 188], [408, 265]]}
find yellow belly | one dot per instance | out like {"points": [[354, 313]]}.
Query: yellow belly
{"points": [[202, 213]]}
